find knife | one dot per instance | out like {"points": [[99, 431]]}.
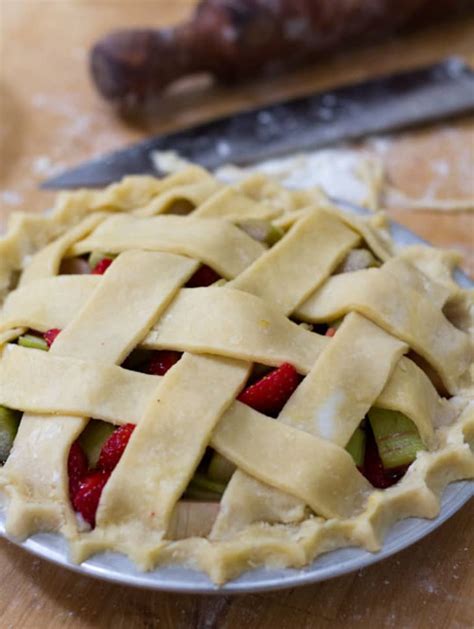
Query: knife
{"points": [[382, 104]]}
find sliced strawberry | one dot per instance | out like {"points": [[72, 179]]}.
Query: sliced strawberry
{"points": [[102, 266], [204, 276], [86, 499], [114, 447], [271, 393], [50, 336], [374, 470], [330, 332], [161, 361], [77, 467]]}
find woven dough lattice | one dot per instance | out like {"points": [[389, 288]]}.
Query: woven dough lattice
{"points": [[297, 491]]}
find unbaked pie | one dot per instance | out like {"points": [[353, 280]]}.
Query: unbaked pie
{"points": [[225, 376]]}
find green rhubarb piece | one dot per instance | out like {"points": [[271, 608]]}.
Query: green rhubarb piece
{"points": [[97, 256], [93, 438], [199, 481], [220, 469], [263, 231], [195, 493], [356, 447], [396, 436], [9, 422], [274, 235], [33, 342]]}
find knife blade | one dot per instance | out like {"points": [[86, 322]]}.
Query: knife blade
{"points": [[382, 104]]}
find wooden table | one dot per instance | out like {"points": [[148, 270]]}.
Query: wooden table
{"points": [[51, 117]]}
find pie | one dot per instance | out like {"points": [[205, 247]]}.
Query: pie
{"points": [[235, 376]]}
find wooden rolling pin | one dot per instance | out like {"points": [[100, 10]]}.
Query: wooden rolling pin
{"points": [[236, 39]]}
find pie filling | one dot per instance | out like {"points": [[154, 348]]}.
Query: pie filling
{"points": [[244, 348], [382, 447]]}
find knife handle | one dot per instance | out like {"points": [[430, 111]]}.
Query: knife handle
{"points": [[234, 40]]}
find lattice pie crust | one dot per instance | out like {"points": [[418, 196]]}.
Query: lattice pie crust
{"points": [[297, 492]]}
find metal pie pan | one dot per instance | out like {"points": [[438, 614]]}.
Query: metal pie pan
{"points": [[117, 568]]}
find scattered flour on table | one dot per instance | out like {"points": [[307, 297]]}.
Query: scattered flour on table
{"points": [[45, 167], [73, 126], [11, 197], [440, 167], [344, 173], [336, 171], [350, 174]]}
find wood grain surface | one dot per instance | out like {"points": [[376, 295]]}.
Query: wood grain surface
{"points": [[50, 117]]}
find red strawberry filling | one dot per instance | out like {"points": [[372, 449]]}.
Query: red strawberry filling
{"points": [[102, 266], [77, 467], [85, 485], [333, 327], [161, 361], [114, 447], [50, 336], [269, 394], [86, 499], [204, 276]]}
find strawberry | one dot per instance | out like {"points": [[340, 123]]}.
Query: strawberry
{"points": [[374, 470], [270, 394], [50, 336], [204, 276], [102, 266], [114, 447], [161, 361], [332, 329], [86, 499], [77, 467]]}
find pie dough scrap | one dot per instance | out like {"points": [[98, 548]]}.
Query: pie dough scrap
{"points": [[296, 492], [394, 197]]}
